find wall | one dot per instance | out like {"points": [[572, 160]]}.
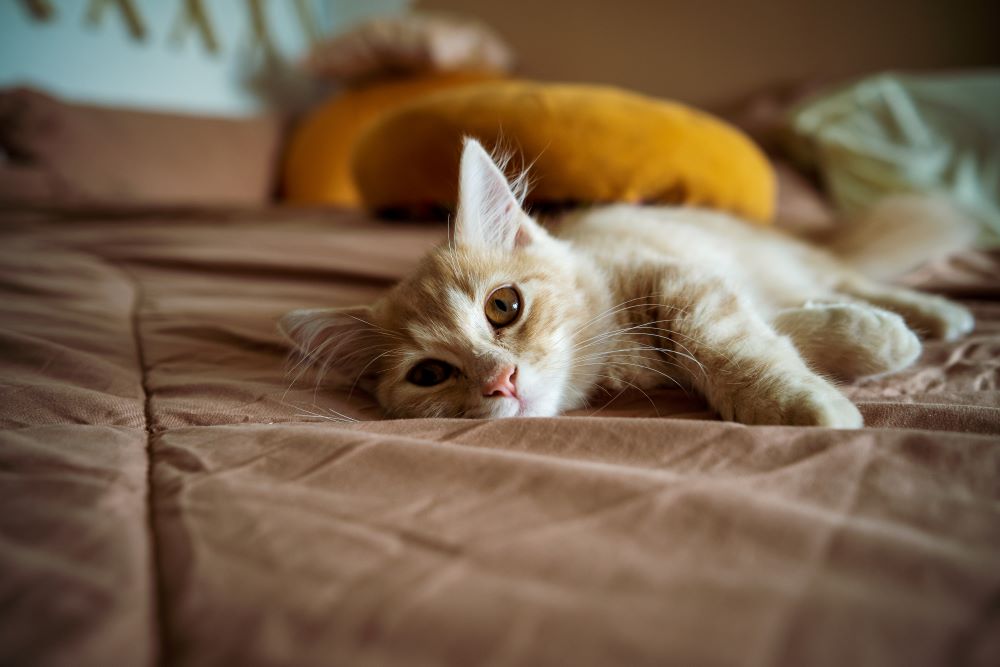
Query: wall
{"points": [[710, 51], [167, 68]]}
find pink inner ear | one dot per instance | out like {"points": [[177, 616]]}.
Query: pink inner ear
{"points": [[522, 238]]}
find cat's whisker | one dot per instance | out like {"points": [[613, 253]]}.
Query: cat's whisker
{"points": [[642, 366], [654, 348], [640, 347], [605, 353], [324, 417], [605, 313], [643, 334], [328, 363], [322, 353], [340, 417], [608, 391], [612, 399], [626, 363], [700, 343], [632, 307], [327, 359], [639, 389], [380, 329], [305, 368], [667, 334], [366, 366], [647, 302], [594, 340], [624, 305], [311, 354], [308, 353], [315, 359], [620, 308]]}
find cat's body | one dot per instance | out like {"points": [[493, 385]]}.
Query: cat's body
{"points": [[509, 319]]}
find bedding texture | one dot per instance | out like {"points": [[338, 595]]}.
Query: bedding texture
{"points": [[173, 494]]}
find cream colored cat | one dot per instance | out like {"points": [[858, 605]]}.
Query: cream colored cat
{"points": [[510, 319]]}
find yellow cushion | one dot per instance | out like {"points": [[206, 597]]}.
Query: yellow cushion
{"points": [[317, 166], [588, 144]]}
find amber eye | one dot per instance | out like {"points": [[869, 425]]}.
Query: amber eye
{"points": [[503, 306], [430, 372]]}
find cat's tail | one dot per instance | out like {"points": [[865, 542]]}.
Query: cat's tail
{"points": [[901, 232]]}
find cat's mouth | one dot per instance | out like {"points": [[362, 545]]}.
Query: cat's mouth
{"points": [[519, 404], [503, 408], [525, 408]]}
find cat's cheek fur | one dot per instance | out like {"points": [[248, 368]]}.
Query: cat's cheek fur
{"points": [[541, 393], [405, 401]]}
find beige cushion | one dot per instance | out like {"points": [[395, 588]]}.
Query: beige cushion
{"points": [[59, 152]]}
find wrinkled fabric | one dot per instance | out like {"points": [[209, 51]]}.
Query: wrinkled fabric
{"points": [[175, 493]]}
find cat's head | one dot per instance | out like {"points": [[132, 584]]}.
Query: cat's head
{"points": [[482, 328]]}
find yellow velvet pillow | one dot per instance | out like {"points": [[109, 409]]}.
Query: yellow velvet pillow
{"points": [[588, 144], [317, 165]]}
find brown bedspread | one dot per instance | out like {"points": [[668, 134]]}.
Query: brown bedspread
{"points": [[170, 496]]}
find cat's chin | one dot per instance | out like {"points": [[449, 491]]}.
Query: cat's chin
{"points": [[502, 408], [505, 408], [510, 407]]}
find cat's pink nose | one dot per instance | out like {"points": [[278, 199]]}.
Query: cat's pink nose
{"points": [[503, 383]]}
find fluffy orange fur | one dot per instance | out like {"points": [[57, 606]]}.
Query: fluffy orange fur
{"points": [[622, 296]]}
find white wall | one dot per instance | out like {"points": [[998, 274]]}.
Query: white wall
{"points": [[72, 58]]}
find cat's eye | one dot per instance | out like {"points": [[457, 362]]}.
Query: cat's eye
{"points": [[430, 372], [503, 306]]}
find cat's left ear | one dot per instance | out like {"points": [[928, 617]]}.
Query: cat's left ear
{"points": [[344, 340], [489, 214]]}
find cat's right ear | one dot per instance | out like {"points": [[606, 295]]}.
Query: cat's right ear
{"points": [[343, 339], [489, 214]]}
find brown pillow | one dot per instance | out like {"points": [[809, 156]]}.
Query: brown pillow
{"points": [[407, 44], [55, 152]]}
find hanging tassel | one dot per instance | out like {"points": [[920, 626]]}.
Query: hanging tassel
{"points": [[194, 16], [128, 11]]}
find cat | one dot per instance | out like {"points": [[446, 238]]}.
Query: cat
{"points": [[510, 318]]}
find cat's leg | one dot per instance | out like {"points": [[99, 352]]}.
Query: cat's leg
{"points": [[849, 340], [929, 315], [744, 368]]}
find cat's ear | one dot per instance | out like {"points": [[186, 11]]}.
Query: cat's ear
{"points": [[340, 339], [489, 214]]}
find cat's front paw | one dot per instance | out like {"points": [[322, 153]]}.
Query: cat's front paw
{"points": [[822, 407], [954, 321], [936, 317], [806, 401]]}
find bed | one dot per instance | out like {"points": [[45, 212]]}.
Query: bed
{"points": [[175, 493]]}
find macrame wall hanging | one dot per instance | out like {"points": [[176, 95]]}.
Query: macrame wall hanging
{"points": [[191, 18]]}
